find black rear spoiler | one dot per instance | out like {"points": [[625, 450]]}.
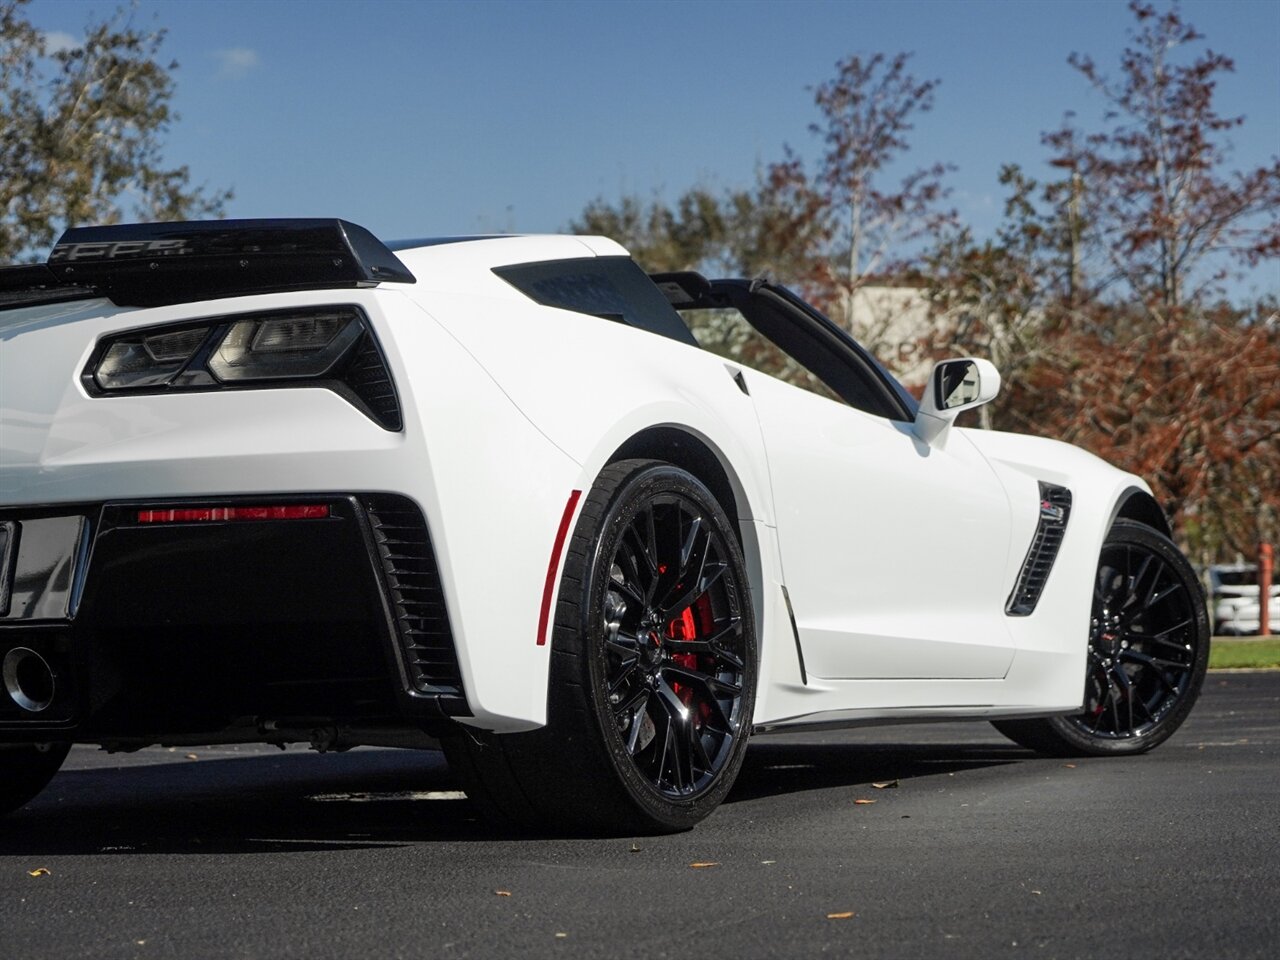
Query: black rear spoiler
{"points": [[153, 264]]}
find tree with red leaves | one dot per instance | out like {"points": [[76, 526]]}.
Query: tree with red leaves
{"points": [[1100, 295], [1165, 218]]}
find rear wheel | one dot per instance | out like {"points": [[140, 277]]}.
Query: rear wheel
{"points": [[1148, 652], [653, 669], [26, 770]]}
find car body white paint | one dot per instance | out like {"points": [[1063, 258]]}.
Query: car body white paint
{"points": [[897, 554]]}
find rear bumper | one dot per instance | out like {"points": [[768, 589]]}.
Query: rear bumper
{"points": [[173, 629]]}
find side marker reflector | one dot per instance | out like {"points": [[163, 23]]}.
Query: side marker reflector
{"points": [[554, 566], [307, 511]]}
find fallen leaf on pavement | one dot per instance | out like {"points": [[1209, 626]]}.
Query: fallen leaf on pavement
{"points": [[861, 800], [705, 863], [840, 916], [887, 784], [38, 872]]}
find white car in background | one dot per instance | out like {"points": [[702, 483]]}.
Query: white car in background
{"points": [[1233, 594], [275, 481]]}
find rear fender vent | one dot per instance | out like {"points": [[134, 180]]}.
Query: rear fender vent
{"points": [[1055, 509], [417, 601], [367, 376]]}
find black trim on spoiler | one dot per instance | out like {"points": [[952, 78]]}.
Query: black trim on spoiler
{"points": [[153, 264], [30, 286]]}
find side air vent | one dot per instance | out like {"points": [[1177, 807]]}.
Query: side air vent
{"points": [[370, 380], [417, 600], [1055, 509]]}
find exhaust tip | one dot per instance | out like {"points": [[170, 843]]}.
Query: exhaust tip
{"points": [[28, 679]]}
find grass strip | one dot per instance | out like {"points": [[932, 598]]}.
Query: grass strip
{"points": [[1244, 653]]}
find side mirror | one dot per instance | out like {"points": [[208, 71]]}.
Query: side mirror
{"points": [[954, 387]]}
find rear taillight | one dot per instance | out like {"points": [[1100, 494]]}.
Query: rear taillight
{"points": [[285, 347], [147, 360], [331, 347]]}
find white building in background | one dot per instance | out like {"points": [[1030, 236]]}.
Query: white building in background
{"points": [[893, 321]]}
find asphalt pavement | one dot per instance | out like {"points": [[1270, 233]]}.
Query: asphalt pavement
{"points": [[973, 848]]}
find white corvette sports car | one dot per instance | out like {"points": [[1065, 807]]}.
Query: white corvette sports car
{"points": [[275, 481]]}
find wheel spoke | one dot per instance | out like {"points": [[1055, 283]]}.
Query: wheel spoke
{"points": [[639, 706], [649, 550], [697, 559], [623, 645], [636, 704], [712, 644], [712, 685], [727, 657], [661, 770], [671, 703], [1178, 626], [632, 582], [1168, 591], [698, 751], [1114, 701], [680, 724], [704, 583], [722, 723], [1107, 585], [1160, 673], [1140, 593], [623, 676], [686, 548], [1122, 682], [1150, 660]]}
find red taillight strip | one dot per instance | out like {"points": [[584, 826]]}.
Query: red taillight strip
{"points": [[554, 566], [306, 511]]}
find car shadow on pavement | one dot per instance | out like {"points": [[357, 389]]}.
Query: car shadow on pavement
{"points": [[775, 768], [287, 802], [302, 802]]}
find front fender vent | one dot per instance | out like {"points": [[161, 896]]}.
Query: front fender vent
{"points": [[1055, 509], [417, 601]]}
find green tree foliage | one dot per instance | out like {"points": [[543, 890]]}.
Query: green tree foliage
{"points": [[81, 133]]}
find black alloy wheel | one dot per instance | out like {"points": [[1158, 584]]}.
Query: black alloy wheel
{"points": [[1147, 657], [653, 669], [673, 639]]}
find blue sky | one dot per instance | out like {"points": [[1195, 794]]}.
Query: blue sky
{"points": [[419, 118]]}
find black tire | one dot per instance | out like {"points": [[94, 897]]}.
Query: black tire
{"points": [[1148, 652], [652, 674], [26, 770]]}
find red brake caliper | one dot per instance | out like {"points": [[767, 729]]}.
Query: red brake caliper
{"points": [[685, 627]]}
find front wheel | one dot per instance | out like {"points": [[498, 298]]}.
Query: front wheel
{"points": [[26, 769], [1148, 652], [653, 669]]}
